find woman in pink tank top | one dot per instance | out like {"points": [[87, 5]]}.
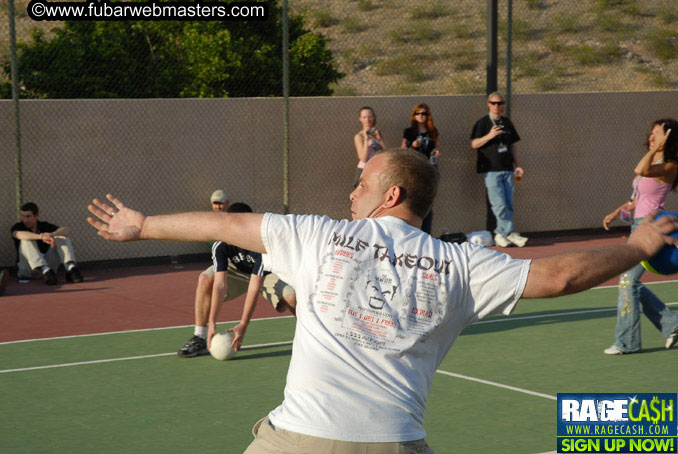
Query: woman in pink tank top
{"points": [[657, 174], [367, 141]]}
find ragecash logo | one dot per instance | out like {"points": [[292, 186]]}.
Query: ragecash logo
{"points": [[617, 423]]}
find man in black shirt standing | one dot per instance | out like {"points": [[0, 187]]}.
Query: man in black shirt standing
{"points": [[495, 137], [41, 246]]}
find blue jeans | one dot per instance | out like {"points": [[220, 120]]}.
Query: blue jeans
{"points": [[500, 192], [633, 295]]}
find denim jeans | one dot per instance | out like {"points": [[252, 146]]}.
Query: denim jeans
{"points": [[633, 295], [500, 192]]}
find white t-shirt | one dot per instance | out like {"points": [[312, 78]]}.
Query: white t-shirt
{"points": [[379, 304]]}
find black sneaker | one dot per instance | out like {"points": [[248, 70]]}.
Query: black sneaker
{"points": [[50, 277], [196, 346], [74, 275]]}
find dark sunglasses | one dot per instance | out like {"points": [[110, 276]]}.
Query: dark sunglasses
{"points": [[421, 113], [497, 103]]}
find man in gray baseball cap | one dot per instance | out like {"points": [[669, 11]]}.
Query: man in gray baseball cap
{"points": [[219, 200]]}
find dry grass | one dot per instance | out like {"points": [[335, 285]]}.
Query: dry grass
{"points": [[438, 47]]}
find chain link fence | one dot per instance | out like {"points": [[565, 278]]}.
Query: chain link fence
{"points": [[138, 108]]}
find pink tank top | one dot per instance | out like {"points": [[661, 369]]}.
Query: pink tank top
{"points": [[651, 195], [373, 145]]}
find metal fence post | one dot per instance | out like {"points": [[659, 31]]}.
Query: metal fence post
{"points": [[286, 105], [15, 101], [509, 56], [491, 46]]}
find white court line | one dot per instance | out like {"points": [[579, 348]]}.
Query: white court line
{"points": [[498, 385], [644, 283], [557, 314], [272, 344], [504, 319], [131, 331], [111, 360]]}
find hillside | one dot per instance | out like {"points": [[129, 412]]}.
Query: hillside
{"points": [[395, 47], [391, 47]]}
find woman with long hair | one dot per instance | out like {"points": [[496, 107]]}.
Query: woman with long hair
{"points": [[657, 175], [422, 136], [367, 141]]}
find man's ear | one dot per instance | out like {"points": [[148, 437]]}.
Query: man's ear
{"points": [[394, 196]]}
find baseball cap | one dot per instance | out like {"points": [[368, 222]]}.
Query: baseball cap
{"points": [[219, 196]]}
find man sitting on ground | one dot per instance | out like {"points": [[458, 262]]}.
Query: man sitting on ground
{"points": [[41, 246]]}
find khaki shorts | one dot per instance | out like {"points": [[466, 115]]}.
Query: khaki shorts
{"points": [[273, 289], [269, 439]]}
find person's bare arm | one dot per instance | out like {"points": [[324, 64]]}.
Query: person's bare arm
{"points": [[645, 168], [250, 304], [480, 141], [360, 142], [119, 223], [629, 206], [513, 148], [28, 236], [574, 272], [664, 171], [219, 289]]}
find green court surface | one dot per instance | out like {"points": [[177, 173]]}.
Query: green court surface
{"points": [[165, 404]]}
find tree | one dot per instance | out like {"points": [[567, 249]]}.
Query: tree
{"points": [[146, 59]]}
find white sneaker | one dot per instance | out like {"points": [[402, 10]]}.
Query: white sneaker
{"points": [[671, 340], [501, 241], [517, 239], [614, 350]]}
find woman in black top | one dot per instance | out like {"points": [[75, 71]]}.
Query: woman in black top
{"points": [[422, 136]]}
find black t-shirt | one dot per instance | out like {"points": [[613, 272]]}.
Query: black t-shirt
{"points": [[428, 145], [245, 261], [43, 227], [489, 157]]}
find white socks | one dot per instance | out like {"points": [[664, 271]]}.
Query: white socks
{"points": [[200, 331], [69, 266]]}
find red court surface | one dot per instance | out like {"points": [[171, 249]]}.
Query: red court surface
{"points": [[119, 299], [114, 299]]}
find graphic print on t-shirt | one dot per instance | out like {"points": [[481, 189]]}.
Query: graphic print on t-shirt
{"points": [[382, 303], [370, 316], [428, 296]]}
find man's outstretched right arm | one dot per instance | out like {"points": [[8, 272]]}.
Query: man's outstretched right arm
{"points": [[117, 222]]}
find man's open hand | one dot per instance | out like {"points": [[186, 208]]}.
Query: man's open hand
{"points": [[117, 222], [651, 236]]}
